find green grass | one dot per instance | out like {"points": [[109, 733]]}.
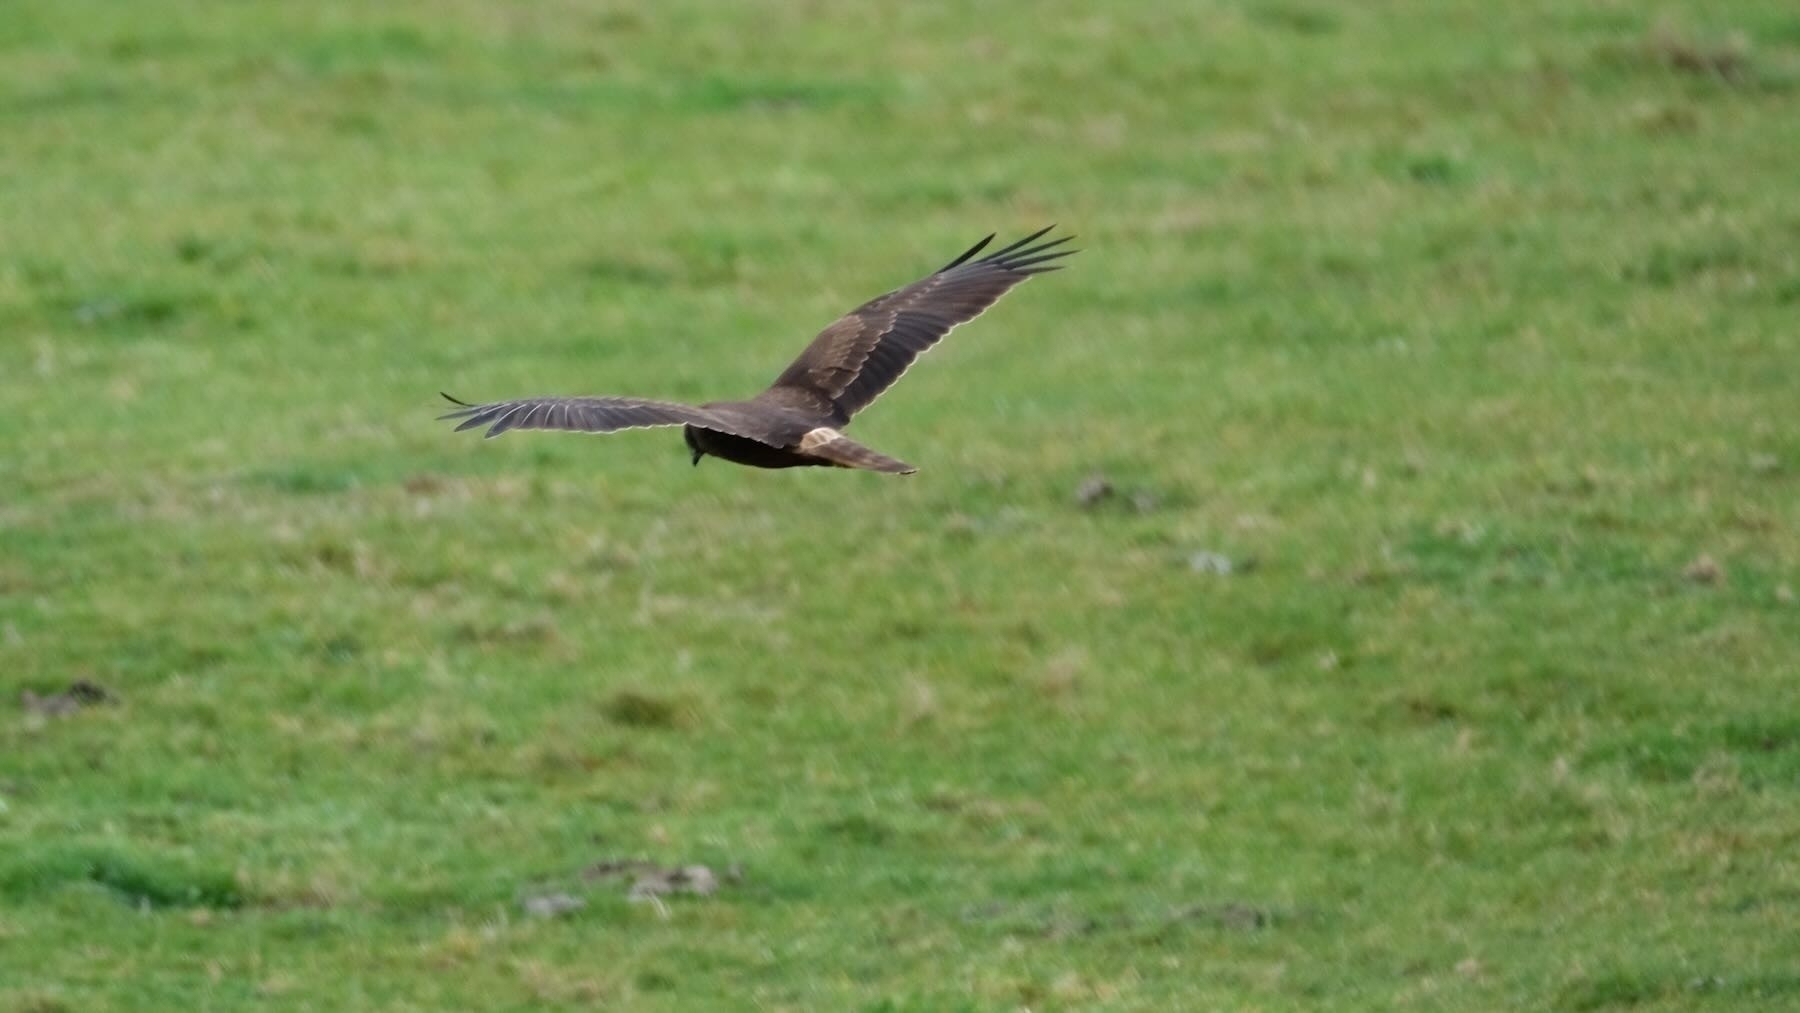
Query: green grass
{"points": [[1462, 330]]}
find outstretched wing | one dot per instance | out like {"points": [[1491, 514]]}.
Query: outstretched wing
{"points": [[851, 362], [590, 415]]}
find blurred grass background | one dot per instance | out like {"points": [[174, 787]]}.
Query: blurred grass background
{"points": [[1465, 335]]}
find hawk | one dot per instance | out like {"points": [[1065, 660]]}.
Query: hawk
{"points": [[799, 421]]}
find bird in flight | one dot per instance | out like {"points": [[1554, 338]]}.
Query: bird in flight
{"points": [[799, 420]]}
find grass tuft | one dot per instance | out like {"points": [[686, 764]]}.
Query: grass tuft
{"points": [[134, 880]]}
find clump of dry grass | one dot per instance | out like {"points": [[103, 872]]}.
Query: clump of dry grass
{"points": [[1727, 59], [638, 709]]}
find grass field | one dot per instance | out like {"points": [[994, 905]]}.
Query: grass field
{"points": [[1466, 337]]}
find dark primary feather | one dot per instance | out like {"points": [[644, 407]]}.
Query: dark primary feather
{"points": [[854, 360], [970, 252], [585, 415]]}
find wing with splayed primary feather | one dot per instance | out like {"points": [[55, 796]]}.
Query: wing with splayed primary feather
{"points": [[854, 360], [590, 415]]}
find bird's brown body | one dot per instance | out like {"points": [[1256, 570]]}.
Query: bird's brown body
{"points": [[742, 450], [778, 448], [798, 421]]}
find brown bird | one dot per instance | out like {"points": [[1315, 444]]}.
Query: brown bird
{"points": [[799, 420]]}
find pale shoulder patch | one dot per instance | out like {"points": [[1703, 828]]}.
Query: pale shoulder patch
{"points": [[818, 438]]}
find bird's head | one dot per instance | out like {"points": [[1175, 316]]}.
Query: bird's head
{"points": [[687, 433]]}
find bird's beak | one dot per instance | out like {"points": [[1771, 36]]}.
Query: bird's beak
{"points": [[698, 454]]}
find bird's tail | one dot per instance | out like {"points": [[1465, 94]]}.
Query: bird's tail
{"points": [[830, 445]]}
